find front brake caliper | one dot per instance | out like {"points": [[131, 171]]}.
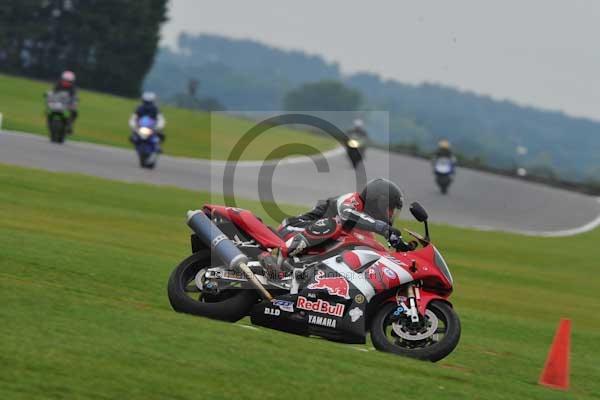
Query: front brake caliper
{"points": [[400, 309]]}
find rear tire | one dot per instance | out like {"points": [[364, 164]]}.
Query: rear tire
{"points": [[231, 309], [422, 350]]}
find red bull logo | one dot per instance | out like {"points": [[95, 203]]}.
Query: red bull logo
{"points": [[320, 306], [335, 286]]}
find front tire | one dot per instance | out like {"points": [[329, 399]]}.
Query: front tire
{"points": [[355, 157], [443, 182], [397, 336], [230, 305], [57, 130]]}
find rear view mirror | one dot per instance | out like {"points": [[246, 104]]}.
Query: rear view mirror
{"points": [[418, 212]]}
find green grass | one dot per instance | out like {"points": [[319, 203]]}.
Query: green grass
{"points": [[103, 119], [84, 264]]}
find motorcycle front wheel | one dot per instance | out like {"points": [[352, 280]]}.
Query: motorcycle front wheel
{"points": [[431, 339], [57, 130], [355, 156], [443, 182], [148, 160], [185, 296]]}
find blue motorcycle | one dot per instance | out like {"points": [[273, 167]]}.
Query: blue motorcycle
{"points": [[147, 140], [444, 168]]}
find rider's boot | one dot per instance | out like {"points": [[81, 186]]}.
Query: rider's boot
{"points": [[270, 263], [278, 268]]}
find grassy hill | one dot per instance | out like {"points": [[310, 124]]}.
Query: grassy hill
{"points": [[248, 75], [84, 266], [103, 119]]}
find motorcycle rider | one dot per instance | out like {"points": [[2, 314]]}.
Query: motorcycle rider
{"points": [[67, 84], [444, 150], [148, 108], [358, 130], [371, 210]]}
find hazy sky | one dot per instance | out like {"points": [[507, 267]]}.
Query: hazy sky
{"points": [[544, 52]]}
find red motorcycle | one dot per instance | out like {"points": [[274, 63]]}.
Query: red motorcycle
{"points": [[339, 291]]}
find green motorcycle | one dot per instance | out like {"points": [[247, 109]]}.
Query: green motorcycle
{"points": [[57, 115]]}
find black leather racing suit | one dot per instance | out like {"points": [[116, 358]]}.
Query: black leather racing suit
{"points": [[326, 222]]}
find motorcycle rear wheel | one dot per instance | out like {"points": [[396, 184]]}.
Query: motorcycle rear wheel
{"points": [[230, 305], [435, 346]]}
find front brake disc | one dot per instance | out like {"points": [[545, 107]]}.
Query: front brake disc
{"points": [[431, 325]]}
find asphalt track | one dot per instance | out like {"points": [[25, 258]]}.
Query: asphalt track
{"points": [[476, 199]]}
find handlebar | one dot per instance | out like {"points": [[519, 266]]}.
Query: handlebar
{"points": [[399, 244]]}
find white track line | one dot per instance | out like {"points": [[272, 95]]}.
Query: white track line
{"points": [[593, 224], [590, 226], [247, 327]]}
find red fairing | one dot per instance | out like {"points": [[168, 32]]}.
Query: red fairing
{"points": [[381, 277], [250, 224], [426, 298], [435, 284], [354, 237], [427, 271], [352, 260]]}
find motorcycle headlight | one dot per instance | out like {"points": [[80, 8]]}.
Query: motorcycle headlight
{"points": [[353, 143], [144, 132]]}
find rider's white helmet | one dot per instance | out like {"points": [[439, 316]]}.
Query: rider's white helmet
{"points": [[68, 76], [358, 123], [149, 97]]}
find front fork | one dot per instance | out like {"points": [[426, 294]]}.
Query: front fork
{"points": [[413, 294]]}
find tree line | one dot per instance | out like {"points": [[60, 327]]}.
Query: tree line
{"points": [[109, 44], [483, 129]]}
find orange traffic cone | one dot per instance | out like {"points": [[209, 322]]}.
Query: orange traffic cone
{"points": [[556, 371]]}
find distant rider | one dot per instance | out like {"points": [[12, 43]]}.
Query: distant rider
{"points": [[358, 130], [371, 210], [148, 108], [444, 150], [66, 84]]}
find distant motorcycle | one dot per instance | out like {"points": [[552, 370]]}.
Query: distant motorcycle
{"points": [[355, 148], [443, 168], [57, 115], [146, 140]]}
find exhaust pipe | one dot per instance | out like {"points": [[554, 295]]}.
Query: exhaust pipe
{"points": [[224, 248]]}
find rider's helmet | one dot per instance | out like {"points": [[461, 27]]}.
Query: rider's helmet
{"points": [[444, 144], [382, 199], [358, 123], [67, 79], [149, 97]]}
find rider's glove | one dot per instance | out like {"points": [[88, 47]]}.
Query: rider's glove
{"points": [[394, 237], [296, 245]]}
